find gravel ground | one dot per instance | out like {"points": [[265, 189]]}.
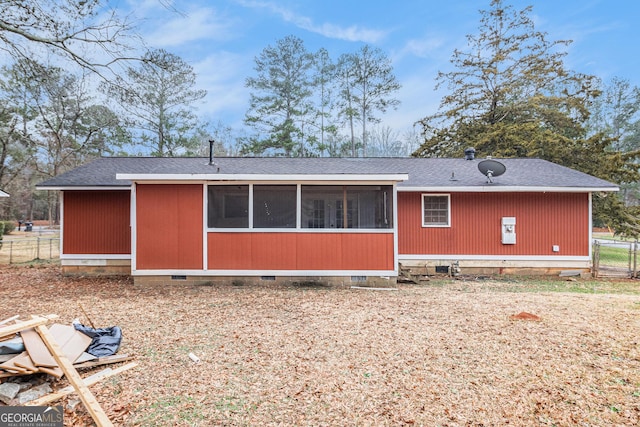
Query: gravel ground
{"points": [[448, 353]]}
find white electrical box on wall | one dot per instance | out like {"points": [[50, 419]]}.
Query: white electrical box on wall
{"points": [[508, 230]]}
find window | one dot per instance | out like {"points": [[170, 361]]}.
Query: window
{"points": [[228, 206], [274, 206], [368, 206], [436, 210]]}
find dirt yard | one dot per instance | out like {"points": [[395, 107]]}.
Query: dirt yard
{"points": [[447, 353]]}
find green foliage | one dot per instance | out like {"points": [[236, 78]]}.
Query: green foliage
{"points": [[158, 98], [302, 102], [7, 227], [511, 96], [281, 98]]}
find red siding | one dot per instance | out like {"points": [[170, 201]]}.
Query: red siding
{"points": [[169, 226], [96, 222], [542, 220], [300, 251]]}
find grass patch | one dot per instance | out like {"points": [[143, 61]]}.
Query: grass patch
{"points": [[540, 284], [172, 410]]}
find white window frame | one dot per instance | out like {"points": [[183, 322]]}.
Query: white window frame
{"points": [[424, 223]]}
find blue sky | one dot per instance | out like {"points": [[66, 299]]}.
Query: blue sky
{"points": [[221, 38]]}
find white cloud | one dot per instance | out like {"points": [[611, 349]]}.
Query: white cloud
{"points": [[222, 75], [192, 25], [352, 33]]}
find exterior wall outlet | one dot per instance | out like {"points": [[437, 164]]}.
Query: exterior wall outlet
{"points": [[556, 248]]}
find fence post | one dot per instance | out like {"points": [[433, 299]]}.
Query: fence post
{"points": [[10, 252], [596, 259], [635, 259], [38, 247]]}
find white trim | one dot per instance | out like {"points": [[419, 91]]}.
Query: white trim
{"points": [[394, 198], [95, 256], [255, 273], [85, 188], [250, 212], [495, 257], [505, 189], [61, 202], [298, 206], [424, 224], [134, 228], [261, 177]]}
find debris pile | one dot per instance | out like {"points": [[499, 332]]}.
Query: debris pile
{"points": [[30, 347]]}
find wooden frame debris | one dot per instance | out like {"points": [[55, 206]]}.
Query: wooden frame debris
{"points": [[53, 349]]}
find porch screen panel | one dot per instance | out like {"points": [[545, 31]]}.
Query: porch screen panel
{"points": [[354, 206], [274, 206], [228, 206]]}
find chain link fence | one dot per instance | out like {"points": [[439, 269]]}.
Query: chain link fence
{"points": [[613, 258], [25, 250]]}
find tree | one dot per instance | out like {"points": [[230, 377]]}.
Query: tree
{"points": [[324, 82], [368, 88], [511, 96], [158, 97], [617, 114], [16, 113], [83, 32], [281, 104]]}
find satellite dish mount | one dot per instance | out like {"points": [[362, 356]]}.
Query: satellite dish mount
{"points": [[491, 168]]}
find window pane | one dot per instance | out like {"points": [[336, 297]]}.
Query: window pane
{"points": [[274, 206], [319, 208], [368, 206], [436, 210], [228, 206]]}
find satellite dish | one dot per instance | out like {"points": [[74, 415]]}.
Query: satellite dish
{"points": [[491, 168]]}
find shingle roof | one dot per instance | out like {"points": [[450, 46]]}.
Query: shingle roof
{"points": [[424, 173]]}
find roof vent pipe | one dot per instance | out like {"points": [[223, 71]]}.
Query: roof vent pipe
{"points": [[211, 141], [211, 162], [469, 153]]}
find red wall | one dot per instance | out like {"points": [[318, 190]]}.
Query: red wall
{"points": [[300, 251], [542, 220], [96, 222], [169, 226]]}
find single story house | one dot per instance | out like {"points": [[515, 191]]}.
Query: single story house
{"points": [[330, 219]]}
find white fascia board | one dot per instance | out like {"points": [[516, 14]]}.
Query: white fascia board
{"points": [[494, 257], [123, 188], [259, 273], [3, 194], [512, 189], [264, 177]]}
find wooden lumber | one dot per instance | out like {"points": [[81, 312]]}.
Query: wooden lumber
{"points": [[36, 349], [9, 319], [10, 365], [105, 360], [87, 398], [89, 381], [9, 330]]}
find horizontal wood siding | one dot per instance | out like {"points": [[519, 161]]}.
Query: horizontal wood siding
{"points": [[96, 222], [169, 227], [542, 220], [300, 251]]}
